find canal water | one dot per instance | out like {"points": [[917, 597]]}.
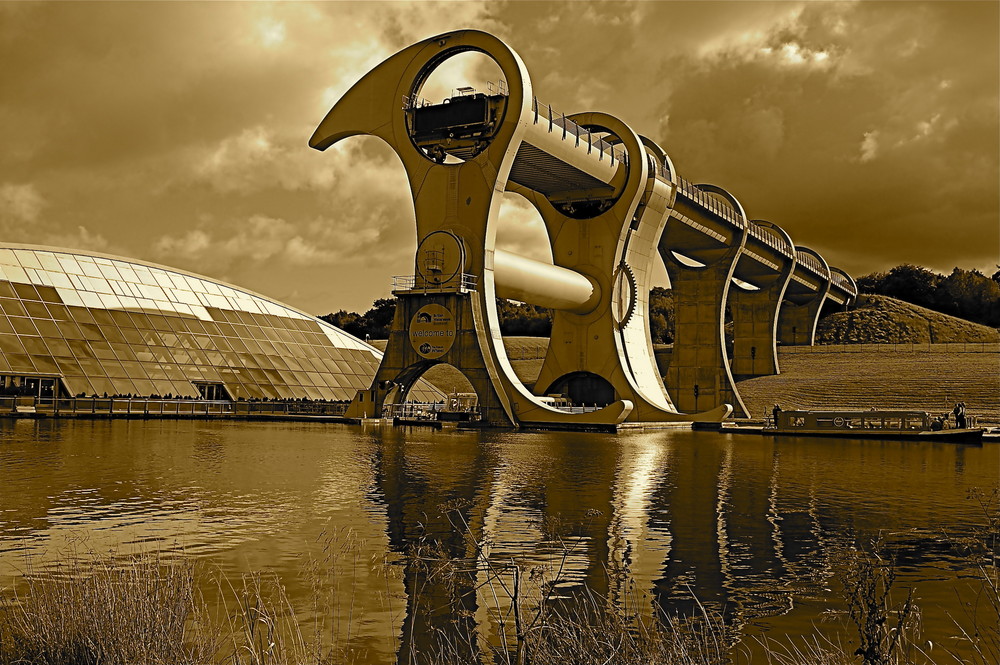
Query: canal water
{"points": [[753, 527]]}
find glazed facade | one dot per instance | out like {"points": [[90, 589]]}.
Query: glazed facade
{"points": [[74, 323]]}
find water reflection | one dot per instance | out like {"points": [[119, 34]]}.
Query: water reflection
{"points": [[747, 526]]}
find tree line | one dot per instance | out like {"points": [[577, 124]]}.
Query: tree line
{"points": [[516, 318], [967, 294]]}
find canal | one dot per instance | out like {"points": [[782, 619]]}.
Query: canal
{"points": [[754, 528]]}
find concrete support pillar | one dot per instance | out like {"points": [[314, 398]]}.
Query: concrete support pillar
{"points": [[797, 320], [797, 323], [755, 323], [755, 315], [699, 376]]}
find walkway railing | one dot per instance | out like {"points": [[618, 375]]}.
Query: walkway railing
{"points": [[116, 406], [558, 122], [468, 283]]}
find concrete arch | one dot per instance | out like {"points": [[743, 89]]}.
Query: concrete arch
{"points": [[615, 248], [700, 368], [755, 315], [800, 314], [853, 295]]}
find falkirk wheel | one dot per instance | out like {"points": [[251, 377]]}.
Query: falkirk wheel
{"points": [[612, 204]]}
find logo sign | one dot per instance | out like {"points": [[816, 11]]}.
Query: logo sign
{"points": [[432, 331]]}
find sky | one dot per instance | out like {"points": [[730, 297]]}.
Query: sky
{"points": [[177, 132]]}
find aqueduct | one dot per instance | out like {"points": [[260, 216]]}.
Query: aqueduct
{"points": [[612, 204]]}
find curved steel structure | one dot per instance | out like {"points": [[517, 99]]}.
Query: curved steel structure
{"points": [[611, 201]]}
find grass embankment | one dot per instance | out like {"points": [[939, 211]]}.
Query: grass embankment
{"points": [[918, 377], [884, 320]]}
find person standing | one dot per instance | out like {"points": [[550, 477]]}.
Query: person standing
{"points": [[774, 414]]}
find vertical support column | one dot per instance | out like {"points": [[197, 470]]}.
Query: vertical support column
{"points": [[797, 323], [699, 376], [755, 323], [755, 315]]}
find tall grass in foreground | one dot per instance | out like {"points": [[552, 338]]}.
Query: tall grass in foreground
{"points": [[145, 610], [110, 611]]}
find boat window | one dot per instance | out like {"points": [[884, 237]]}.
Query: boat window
{"points": [[893, 423]]}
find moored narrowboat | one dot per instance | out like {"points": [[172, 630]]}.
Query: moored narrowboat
{"points": [[874, 424]]}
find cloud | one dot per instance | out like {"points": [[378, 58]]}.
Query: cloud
{"points": [[869, 146], [520, 229], [170, 130], [261, 240], [20, 202]]}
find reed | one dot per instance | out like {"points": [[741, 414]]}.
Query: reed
{"points": [[107, 610], [110, 609]]}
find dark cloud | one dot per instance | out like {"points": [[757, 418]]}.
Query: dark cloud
{"points": [[177, 132]]}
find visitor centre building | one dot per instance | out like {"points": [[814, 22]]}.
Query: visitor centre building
{"points": [[77, 323]]}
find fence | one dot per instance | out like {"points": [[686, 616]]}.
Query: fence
{"points": [[123, 406], [957, 347]]}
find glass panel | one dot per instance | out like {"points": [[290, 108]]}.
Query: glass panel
{"points": [[102, 349], [47, 329], [112, 334], [10, 344], [69, 330], [45, 364], [69, 366], [26, 292], [36, 310], [23, 326], [48, 294], [58, 347], [144, 388], [58, 311], [134, 369], [91, 332], [113, 368], [133, 336], [34, 346], [20, 362], [121, 318], [12, 307]]}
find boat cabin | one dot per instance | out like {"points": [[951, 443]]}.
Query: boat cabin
{"points": [[834, 421]]}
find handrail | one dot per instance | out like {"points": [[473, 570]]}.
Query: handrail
{"points": [[467, 283], [152, 406], [570, 128]]}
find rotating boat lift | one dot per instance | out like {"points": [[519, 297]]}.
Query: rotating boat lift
{"points": [[611, 202]]}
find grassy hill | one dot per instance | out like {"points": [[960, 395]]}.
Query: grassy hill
{"points": [[885, 320]]}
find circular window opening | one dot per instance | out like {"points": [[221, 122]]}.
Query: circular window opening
{"points": [[456, 107]]}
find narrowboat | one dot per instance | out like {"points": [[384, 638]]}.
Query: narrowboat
{"points": [[874, 424]]}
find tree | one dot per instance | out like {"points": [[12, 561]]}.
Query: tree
{"points": [[661, 315], [913, 284], [968, 294]]}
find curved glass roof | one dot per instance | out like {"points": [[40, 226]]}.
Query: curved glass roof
{"points": [[106, 324]]}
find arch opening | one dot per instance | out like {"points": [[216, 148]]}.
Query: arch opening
{"points": [[583, 389], [459, 399], [473, 100]]}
